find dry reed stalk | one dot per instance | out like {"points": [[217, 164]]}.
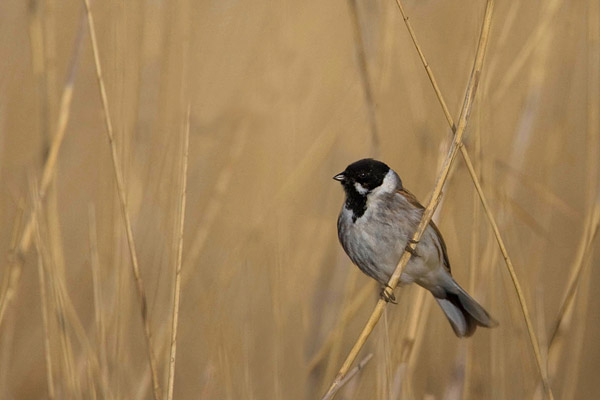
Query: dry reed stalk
{"points": [[413, 322], [64, 308], [8, 281], [397, 386], [385, 362], [56, 290], [179, 261], [363, 71], [541, 324], [215, 202], [44, 305], [502, 35], [296, 179], [573, 373], [88, 359], [435, 197], [50, 60], [91, 387], [12, 277], [416, 335], [418, 313], [351, 374], [122, 299], [584, 249], [123, 203], [552, 199], [337, 333], [498, 343], [213, 208], [36, 43], [474, 258], [530, 46], [475, 179], [347, 314], [532, 337], [558, 335], [98, 298]]}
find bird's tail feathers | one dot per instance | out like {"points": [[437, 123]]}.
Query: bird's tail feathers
{"points": [[463, 312]]}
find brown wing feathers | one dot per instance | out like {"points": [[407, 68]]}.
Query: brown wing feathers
{"points": [[413, 200]]}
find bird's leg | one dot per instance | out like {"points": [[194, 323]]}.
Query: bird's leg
{"points": [[388, 296]]}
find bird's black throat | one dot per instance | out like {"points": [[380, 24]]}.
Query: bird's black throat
{"points": [[355, 202]]}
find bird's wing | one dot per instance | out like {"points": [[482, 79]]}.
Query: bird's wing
{"points": [[413, 201]]}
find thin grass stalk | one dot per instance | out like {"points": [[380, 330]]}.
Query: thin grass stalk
{"points": [[418, 315], [385, 362], [215, 203], [417, 331], [66, 313], [473, 261], [530, 46], [91, 386], [541, 324], [177, 289], [559, 332], [412, 326], [593, 141], [44, 305], [560, 338], [522, 302], [553, 200], [11, 278], [435, 197], [313, 159], [68, 318], [66, 348], [50, 60], [577, 268], [36, 45], [581, 319], [413, 340], [434, 83], [98, 297], [123, 203], [473, 173], [336, 337], [347, 314]]}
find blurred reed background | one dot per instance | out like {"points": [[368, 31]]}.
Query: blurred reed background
{"points": [[282, 96]]}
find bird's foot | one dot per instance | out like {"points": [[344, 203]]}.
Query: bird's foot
{"points": [[413, 252], [388, 295]]}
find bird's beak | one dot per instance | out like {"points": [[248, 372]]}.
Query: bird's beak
{"points": [[340, 177]]}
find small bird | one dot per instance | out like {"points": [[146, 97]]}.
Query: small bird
{"points": [[375, 226]]}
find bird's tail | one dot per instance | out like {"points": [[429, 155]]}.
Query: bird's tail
{"points": [[463, 312]]}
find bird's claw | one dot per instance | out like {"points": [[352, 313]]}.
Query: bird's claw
{"points": [[388, 296], [413, 252]]}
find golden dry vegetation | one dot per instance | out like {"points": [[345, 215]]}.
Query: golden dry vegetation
{"points": [[281, 96]]}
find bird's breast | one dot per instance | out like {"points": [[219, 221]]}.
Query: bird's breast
{"points": [[375, 241]]}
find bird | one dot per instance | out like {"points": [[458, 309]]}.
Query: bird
{"points": [[375, 225]]}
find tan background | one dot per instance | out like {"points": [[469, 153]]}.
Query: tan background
{"points": [[277, 108]]}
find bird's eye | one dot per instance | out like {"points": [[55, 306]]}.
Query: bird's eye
{"points": [[362, 175]]}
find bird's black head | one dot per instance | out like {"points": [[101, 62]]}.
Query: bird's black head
{"points": [[359, 179], [363, 176]]}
